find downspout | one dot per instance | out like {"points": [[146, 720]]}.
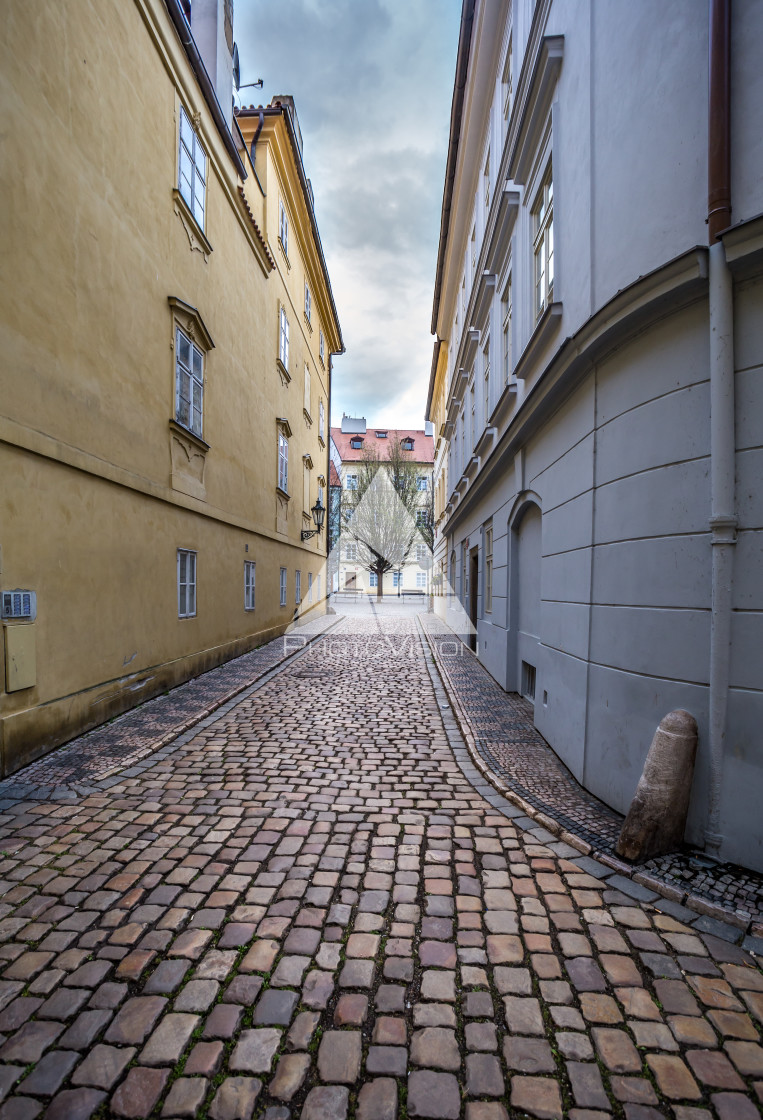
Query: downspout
{"points": [[723, 521]]}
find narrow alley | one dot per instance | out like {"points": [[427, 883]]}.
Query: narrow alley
{"points": [[311, 905]]}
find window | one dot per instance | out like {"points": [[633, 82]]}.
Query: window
{"points": [[374, 581], [283, 587], [506, 309], [421, 552], [356, 443], [381, 435], [283, 463], [249, 570], [189, 383], [473, 251], [351, 482], [351, 550], [283, 339], [508, 81], [486, 184], [321, 420], [297, 587], [322, 347], [543, 243], [186, 583], [283, 228], [407, 444], [307, 391], [309, 587], [488, 570], [305, 484], [318, 586], [421, 579], [396, 579], [422, 518], [486, 381], [473, 407], [422, 482], [308, 302], [192, 168]]}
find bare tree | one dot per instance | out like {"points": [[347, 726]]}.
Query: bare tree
{"points": [[380, 515]]}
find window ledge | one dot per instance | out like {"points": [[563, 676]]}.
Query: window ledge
{"points": [[308, 324], [544, 329], [308, 417], [284, 254], [321, 441], [283, 494], [285, 375], [196, 237], [189, 435]]}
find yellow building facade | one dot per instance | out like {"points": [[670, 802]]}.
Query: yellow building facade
{"points": [[160, 447]]}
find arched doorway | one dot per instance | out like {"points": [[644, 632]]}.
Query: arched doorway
{"points": [[524, 598]]}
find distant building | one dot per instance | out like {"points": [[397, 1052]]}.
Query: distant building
{"points": [[167, 343], [351, 443], [595, 383]]}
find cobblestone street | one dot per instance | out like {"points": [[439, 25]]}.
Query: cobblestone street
{"points": [[312, 905]]}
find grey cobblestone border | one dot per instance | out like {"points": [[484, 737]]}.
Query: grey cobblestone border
{"points": [[704, 916], [14, 789]]}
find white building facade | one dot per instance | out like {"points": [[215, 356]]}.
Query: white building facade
{"points": [[604, 519]]}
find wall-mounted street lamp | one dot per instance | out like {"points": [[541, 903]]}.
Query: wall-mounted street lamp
{"points": [[318, 513]]}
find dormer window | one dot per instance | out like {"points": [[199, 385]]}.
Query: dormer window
{"points": [[381, 435], [356, 443], [407, 444]]}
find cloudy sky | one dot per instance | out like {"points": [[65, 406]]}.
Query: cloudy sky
{"points": [[372, 82]]}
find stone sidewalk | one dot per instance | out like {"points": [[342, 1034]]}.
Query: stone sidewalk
{"points": [[518, 760], [313, 906]]}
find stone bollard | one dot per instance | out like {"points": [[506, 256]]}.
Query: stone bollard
{"points": [[657, 817]]}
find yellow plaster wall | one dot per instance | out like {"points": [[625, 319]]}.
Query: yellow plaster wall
{"points": [[88, 516]]}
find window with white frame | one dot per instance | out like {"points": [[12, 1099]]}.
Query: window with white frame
{"points": [[421, 552], [283, 228], [506, 312], [473, 411], [192, 168], [309, 587], [297, 587], [543, 242], [486, 381], [283, 587], [189, 383], [307, 390], [473, 251], [351, 482], [249, 574], [507, 82], [486, 184], [283, 463], [308, 302], [422, 482], [422, 518], [421, 579], [396, 579], [186, 563], [283, 338], [321, 420], [318, 586], [373, 579], [305, 485], [488, 569], [351, 550], [322, 347]]}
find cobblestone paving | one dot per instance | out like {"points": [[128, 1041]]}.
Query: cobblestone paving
{"points": [[87, 762], [309, 910], [511, 747]]}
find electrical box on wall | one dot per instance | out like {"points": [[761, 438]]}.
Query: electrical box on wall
{"points": [[20, 657], [19, 604]]}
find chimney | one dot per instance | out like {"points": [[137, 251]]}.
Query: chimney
{"points": [[212, 28]]}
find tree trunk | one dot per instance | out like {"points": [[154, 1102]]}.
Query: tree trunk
{"points": [[379, 583]]}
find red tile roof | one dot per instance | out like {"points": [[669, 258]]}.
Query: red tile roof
{"points": [[423, 445], [334, 479]]}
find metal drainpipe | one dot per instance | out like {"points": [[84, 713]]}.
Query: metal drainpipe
{"points": [[722, 435]]}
